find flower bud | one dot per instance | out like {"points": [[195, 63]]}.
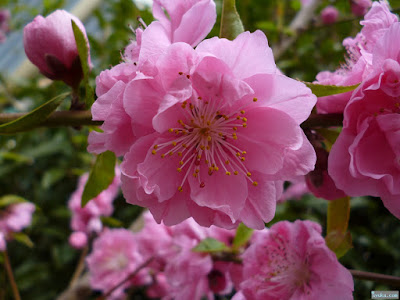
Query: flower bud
{"points": [[329, 14], [50, 45], [78, 239], [360, 7]]}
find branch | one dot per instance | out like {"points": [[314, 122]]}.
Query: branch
{"points": [[11, 278], [299, 23], [58, 119], [381, 278], [323, 120]]}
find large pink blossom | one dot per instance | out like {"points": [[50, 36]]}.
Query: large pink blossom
{"points": [[87, 219], [225, 133], [292, 261], [115, 256], [50, 45], [359, 57], [14, 218], [365, 158]]}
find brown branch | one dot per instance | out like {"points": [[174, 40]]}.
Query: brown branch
{"points": [[80, 267], [323, 120], [58, 119], [10, 275], [381, 278]]}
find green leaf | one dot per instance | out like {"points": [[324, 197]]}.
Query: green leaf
{"points": [[329, 135], [320, 90], [231, 24], [11, 199], [23, 239], [100, 177], [83, 50], [111, 222], [210, 245], [34, 118], [243, 235], [338, 238]]}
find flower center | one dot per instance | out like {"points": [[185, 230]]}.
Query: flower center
{"points": [[206, 138]]}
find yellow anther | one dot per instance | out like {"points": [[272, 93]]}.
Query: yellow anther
{"points": [[180, 73], [255, 99], [173, 143], [234, 136], [154, 152], [216, 169], [238, 154], [202, 147], [162, 155], [243, 158], [155, 147], [255, 183], [179, 169], [199, 98], [244, 119], [225, 117], [202, 117], [235, 173], [248, 174], [210, 169], [209, 138], [217, 112], [181, 122], [234, 128], [191, 106], [188, 76], [228, 173], [177, 131], [184, 145], [242, 112], [207, 161], [208, 123], [397, 104], [197, 171], [220, 134], [238, 117], [227, 162], [206, 102], [244, 125], [181, 162], [199, 156], [244, 152], [208, 147], [170, 153], [195, 175], [179, 153], [171, 130], [180, 189]]}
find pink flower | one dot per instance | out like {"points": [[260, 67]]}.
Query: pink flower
{"points": [[365, 158], [292, 261], [360, 7], [114, 257], [359, 62], [78, 239], [87, 219], [329, 14], [14, 218], [221, 119], [50, 45], [4, 23]]}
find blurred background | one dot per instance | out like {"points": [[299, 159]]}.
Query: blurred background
{"points": [[43, 165]]}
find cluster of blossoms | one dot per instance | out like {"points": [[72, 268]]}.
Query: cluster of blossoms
{"points": [[14, 218], [365, 158], [4, 26], [287, 261], [86, 220], [209, 133]]}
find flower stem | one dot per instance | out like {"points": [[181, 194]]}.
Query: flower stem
{"points": [[381, 278], [80, 267], [10, 275], [129, 277]]}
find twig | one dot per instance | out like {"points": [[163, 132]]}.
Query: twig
{"points": [[10, 275], [381, 278], [323, 120], [80, 267], [129, 277]]}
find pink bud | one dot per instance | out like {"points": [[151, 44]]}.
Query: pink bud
{"points": [[360, 7], [50, 45], [78, 239], [329, 14]]}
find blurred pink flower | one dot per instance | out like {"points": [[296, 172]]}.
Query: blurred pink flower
{"points": [[329, 14], [206, 110], [4, 23], [14, 218], [292, 261], [78, 239], [114, 257], [50, 45], [365, 158], [87, 219], [359, 61], [295, 190], [360, 7]]}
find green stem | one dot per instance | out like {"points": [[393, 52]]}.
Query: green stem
{"points": [[10, 275]]}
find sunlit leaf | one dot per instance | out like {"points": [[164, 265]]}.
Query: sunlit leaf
{"points": [[100, 177], [11, 199], [321, 90], [23, 239], [34, 118], [231, 24], [111, 222], [210, 245], [243, 235]]}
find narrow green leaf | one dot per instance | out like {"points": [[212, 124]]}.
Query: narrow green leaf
{"points": [[320, 90], [231, 24], [11, 199], [83, 50], [34, 118], [338, 238], [111, 222], [100, 177], [210, 245], [243, 235], [23, 239]]}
